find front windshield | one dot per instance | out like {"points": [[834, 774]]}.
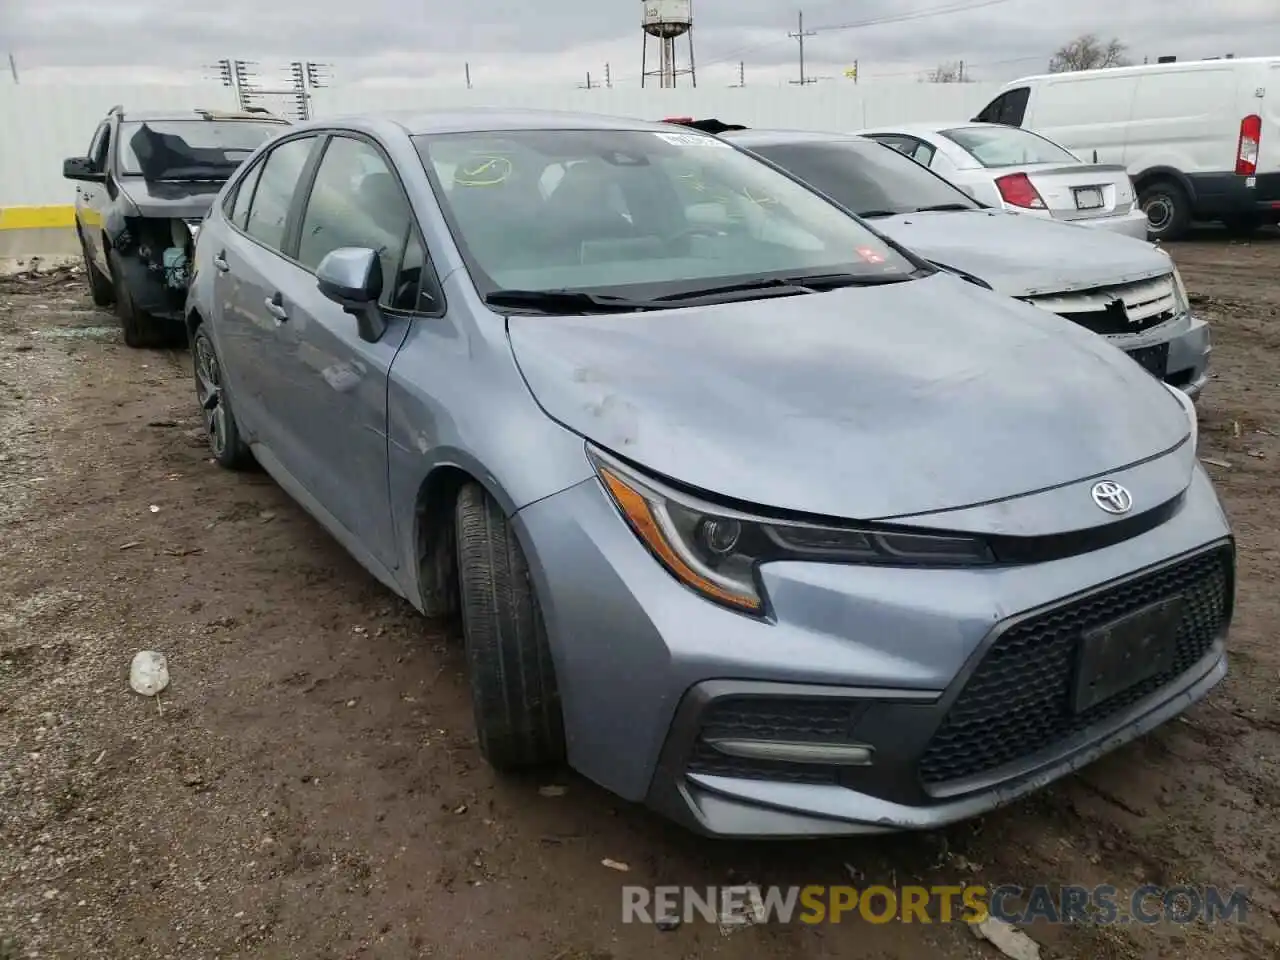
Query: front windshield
{"points": [[189, 149], [867, 177], [640, 213], [1000, 146]]}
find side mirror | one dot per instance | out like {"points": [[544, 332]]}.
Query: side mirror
{"points": [[352, 278], [81, 168]]}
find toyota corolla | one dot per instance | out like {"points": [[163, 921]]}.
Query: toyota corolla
{"points": [[750, 513]]}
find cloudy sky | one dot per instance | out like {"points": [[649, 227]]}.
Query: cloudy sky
{"points": [[556, 42]]}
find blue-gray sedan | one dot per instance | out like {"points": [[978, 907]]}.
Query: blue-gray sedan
{"points": [[749, 512]]}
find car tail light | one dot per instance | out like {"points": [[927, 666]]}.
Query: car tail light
{"points": [[1017, 190], [1247, 151]]}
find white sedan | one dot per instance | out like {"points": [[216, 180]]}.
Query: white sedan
{"points": [[1017, 170]]}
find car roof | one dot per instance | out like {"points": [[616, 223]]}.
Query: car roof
{"points": [[195, 113], [485, 119], [771, 138]]}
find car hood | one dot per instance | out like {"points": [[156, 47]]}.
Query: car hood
{"points": [[184, 200], [864, 403], [1022, 255]]}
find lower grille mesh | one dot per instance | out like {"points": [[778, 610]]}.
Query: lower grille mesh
{"points": [[1018, 700]]}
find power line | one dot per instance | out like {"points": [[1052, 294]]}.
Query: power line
{"points": [[870, 22]]}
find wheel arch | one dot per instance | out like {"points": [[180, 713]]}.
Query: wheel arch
{"points": [[434, 533], [1153, 174]]}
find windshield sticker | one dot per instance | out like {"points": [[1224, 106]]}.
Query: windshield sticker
{"points": [[483, 172], [692, 140]]}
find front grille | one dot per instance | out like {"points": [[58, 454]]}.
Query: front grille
{"points": [[792, 720], [1017, 703], [1119, 309]]}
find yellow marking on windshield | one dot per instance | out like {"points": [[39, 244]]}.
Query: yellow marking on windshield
{"points": [[484, 172]]}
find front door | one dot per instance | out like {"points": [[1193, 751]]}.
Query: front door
{"points": [[91, 198], [328, 387]]}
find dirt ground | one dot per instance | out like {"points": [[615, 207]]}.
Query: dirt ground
{"points": [[309, 786]]}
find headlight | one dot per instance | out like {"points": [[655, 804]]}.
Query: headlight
{"points": [[715, 550], [1182, 302], [1189, 407]]}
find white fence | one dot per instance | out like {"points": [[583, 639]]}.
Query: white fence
{"points": [[41, 125]]}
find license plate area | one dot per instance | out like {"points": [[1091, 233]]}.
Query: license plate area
{"points": [[1121, 654], [1088, 198], [1155, 359]]}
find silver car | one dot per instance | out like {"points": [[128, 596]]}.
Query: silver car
{"points": [[1126, 290], [750, 513]]}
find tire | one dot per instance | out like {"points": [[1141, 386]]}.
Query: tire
{"points": [[225, 443], [100, 287], [1168, 210], [513, 684], [141, 329]]}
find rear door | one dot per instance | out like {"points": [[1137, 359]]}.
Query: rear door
{"points": [[328, 391], [1268, 107], [250, 260]]}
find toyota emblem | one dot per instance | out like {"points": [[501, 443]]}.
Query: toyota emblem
{"points": [[1112, 497]]}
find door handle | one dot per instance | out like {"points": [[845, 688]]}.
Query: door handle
{"points": [[275, 307], [220, 261]]}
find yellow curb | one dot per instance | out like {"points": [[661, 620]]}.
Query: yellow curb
{"points": [[38, 218]]}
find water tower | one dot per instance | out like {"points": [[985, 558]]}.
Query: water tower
{"points": [[665, 21]]}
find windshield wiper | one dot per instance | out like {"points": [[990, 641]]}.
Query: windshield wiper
{"points": [[785, 286], [872, 214], [945, 208], [567, 301]]}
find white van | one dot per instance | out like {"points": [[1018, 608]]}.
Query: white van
{"points": [[1201, 139]]}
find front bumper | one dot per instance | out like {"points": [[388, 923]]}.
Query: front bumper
{"points": [[644, 665], [1190, 348]]}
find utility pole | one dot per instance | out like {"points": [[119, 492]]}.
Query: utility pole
{"points": [[13, 68], [800, 34], [608, 80], [467, 69], [742, 74], [588, 85], [960, 77]]}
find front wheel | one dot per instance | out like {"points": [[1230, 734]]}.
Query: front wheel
{"points": [[513, 682], [99, 283], [141, 329], [225, 443]]}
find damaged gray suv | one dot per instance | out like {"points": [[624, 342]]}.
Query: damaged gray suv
{"points": [[141, 193]]}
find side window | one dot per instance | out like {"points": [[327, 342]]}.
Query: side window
{"points": [[238, 211], [356, 201], [1008, 108], [98, 149], [921, 152], [901, 144], [269, 210], [414, 290]]}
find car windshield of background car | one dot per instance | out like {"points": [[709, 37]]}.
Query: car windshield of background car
{"points": [[1007, 146], [868, 178], [189, 149], [641, 213]]}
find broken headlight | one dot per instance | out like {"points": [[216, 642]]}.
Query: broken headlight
{"points": [[715, 550]]}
